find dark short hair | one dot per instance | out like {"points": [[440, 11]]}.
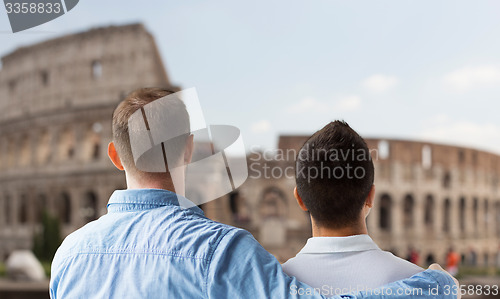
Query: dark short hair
{"points": [[137, 99], [333, 197]]}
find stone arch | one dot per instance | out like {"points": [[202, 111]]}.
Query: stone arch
{"points": [[7, 208], [23, 209], [273, 213], [64, 211], [385, 212], [43, 147], [40, 206], [426, 157], [461, 156], [11, 153], [475, 212], [408, 211], [273, 203], [67, 144], [24, 150], [447, 180], [383, 149], [462, 214], [96, 69], [93, 142], [90, 206], [45, 77], [486, 215], [446, 215], [429, 211]]}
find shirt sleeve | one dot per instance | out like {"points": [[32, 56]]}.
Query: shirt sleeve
{"points": [[54, 277], [241, 268]]}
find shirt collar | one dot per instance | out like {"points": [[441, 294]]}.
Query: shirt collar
{"points": [[339, 244], [145, 199]]}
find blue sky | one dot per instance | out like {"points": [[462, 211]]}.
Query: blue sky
{"points": [[398, 69]]}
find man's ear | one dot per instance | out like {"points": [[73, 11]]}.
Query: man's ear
{"points": [[371, 197], [299, 200], [188, 153], [113, 156]]}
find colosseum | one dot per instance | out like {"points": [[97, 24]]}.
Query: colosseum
{"points": [[429, 197], [56, 99]]}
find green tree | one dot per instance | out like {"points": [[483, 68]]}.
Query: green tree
{"points": [[48, 239]]}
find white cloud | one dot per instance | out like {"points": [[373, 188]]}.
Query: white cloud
{"points": [[311, 105], [308, 104], [348, 103], [472, 77], [379, 83], [464, 133], [262, 126]]}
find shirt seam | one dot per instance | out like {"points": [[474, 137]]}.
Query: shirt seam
{"points": [[55, 281], [210, 258], [144, 202], [122, 207], [343, 251], [75, 254]]}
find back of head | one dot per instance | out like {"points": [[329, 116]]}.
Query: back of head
{"points": [[174, 111], [334, 175]]}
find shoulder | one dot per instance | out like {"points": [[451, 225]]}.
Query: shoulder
{"points": [[200, 228], [395, 259], [398, 265], [291, 266], [239, 245], [292, 262], [235, 237], [71, 246], [71, 243]]}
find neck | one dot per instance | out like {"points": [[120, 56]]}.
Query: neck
{"points": [[158, 182], [322, 231]]}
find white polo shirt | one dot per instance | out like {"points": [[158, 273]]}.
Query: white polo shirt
{"points": [[336, 265]]}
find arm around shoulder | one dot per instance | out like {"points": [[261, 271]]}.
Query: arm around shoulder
{"points": [[241, 268]]}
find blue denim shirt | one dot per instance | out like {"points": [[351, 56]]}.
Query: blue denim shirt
{"points": [[146, 246]]}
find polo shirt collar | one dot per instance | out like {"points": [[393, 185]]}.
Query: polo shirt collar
{"points": [[339, 244], [145, 199]]}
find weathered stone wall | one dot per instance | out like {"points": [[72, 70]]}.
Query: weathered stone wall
{"points": [[428, 196], [56, 102]]}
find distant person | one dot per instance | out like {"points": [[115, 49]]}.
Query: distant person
{"points": [[430, 260], [452, 261], [334, 176], [147, 246], [472, 257], [413, 256]]}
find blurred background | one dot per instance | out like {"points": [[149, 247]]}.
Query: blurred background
{"points": [[419, 80]]}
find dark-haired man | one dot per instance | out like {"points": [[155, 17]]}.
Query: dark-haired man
{"points": [[148, 246], [334, 177]]}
